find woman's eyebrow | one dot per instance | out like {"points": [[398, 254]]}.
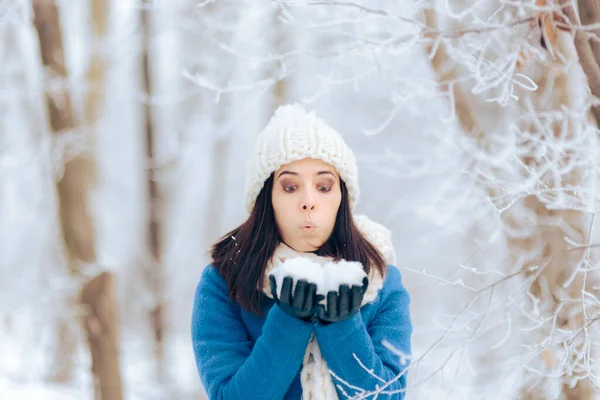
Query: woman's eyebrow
{"points": [[325, 173], [287, 173], [296, 174]]}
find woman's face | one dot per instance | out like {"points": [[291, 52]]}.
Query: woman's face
{"points": [[306, 198]]}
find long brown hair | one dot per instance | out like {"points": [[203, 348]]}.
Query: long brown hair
{"points": [[241, 255]]}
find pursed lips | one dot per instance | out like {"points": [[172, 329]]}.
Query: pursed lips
{"points": [[308, 226]]}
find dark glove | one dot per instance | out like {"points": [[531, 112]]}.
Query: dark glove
{"points": [[343, 304], [304, 301]]}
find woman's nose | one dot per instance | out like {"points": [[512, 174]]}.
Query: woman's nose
{"points": [[308, 202], [308, 206]]}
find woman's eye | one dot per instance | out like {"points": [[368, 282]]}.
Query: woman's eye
{"points": [[324, 189], [289, 189]]}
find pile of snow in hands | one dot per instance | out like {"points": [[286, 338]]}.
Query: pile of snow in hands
{"points": [[327, 277]]}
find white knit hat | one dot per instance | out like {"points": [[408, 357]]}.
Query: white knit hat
{"points": [[294, 134]]}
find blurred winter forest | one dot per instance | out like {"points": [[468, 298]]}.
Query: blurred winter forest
{"points": [[124, 130]]}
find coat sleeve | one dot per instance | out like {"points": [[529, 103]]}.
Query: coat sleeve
{"points": [[339, 341], [229, 364]]}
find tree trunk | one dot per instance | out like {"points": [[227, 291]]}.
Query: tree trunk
{"points": [[72, 190], [75, 222], [216, 194], [100, 322], [220, 151], [155, 274], [587, 43], [281, 38], [98, 294], [98, 63]]}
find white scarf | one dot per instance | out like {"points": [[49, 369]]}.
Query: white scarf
{"points": [[316, 380]]}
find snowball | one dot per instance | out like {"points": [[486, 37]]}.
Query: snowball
{"points": [[298, 268]]}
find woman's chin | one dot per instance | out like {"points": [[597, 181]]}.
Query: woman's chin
{"points": [[304, 247]]}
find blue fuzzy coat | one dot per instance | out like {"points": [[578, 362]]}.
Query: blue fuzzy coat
{"points": [[241, 355]]}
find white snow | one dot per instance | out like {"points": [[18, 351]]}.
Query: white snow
{"points": [[298, 268], [328, 277], [340, 273]]}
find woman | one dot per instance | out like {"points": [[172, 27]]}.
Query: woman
{"points": [[282, 312]]}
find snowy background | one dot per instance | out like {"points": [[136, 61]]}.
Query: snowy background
{"points": [[477, 147]]}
